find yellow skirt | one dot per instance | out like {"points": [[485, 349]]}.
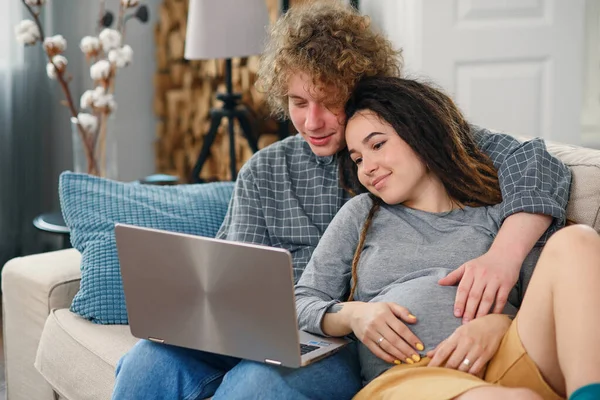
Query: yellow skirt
{"points": [[511, 366]]}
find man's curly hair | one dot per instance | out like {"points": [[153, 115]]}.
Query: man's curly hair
{"points": [[332, 44]]}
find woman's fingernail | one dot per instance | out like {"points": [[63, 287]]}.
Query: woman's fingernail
{"points": [[397, 362], [419, 347], [411, 316], [409, 361], [416, 357], [457, 312]]}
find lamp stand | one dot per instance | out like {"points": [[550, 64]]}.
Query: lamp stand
{"points": [[232, 110]]}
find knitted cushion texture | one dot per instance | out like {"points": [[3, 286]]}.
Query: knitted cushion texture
{"points": [[91, 206]]}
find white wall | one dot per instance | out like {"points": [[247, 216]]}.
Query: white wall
{"points": [[386, 16], [401, 21], [136, 122], [590, 118]]}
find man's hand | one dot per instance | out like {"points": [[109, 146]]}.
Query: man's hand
{"points": [[484, 281], [490, 278], [476, 341]]}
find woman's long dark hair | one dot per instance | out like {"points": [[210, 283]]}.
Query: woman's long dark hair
{"points": [[435, 129]]}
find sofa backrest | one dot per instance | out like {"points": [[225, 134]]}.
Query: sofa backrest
{"points": [[584, 201]]}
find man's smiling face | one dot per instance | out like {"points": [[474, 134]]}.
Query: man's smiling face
{"points": [[321, 126]]}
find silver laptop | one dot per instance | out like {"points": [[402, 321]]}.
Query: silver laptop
{"points": [[224, 297]]}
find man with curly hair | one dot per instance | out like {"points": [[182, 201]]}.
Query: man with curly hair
{"points": [[287, 194]]}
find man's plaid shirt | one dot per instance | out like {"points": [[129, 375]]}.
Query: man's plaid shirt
{"points": [[286, 196]]}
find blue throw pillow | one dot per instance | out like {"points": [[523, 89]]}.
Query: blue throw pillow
{"points": [[91, 206]]}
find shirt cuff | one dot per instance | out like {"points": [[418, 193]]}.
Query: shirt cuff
{"points": [[319, 310], [532, 202]]}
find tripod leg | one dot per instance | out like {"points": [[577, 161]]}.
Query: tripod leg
{"points": [[232, 160], [247, 129], [215, 121]]}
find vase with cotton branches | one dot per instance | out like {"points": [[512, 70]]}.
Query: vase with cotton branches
{"points": [[105, 53]]}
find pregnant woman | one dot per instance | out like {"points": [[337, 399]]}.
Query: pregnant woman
{"points": [[428, 203]]}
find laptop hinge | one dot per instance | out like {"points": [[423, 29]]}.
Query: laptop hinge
{"points": [[272, 362], [156, 340]]}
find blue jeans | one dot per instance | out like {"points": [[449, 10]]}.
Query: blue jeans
{"points": [[155, 371]]}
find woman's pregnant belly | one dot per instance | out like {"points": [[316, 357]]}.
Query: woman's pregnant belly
{"points": [[433, 306]]}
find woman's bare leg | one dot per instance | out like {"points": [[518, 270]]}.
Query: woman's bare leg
{"points": [[559, 321]]}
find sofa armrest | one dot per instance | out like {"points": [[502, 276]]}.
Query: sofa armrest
{"points": [[31, 287]]}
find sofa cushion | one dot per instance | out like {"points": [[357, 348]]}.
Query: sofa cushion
{"points": [[91, 206], [78, 358], [584, 200]]}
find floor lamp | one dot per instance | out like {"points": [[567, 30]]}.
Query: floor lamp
{"points": [[224, 29]]}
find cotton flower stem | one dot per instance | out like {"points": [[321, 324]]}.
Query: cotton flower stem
{"points": [[94, 138], [102, 140], [121, 21], [65, 87], [102, 11], [125, 20], [121, 29], [89, 149], [35, 16], [110, 87]]}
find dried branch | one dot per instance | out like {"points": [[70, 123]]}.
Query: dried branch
{"points": [[110, 87], [101, 16], [65, 87], [121, 21]]}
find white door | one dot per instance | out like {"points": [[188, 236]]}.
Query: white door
{"points": [[511, 65]]}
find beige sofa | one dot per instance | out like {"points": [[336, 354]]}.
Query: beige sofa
{"points": [[53, 354]]}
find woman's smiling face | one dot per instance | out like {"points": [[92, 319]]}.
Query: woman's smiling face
{"points": [[387, 166]]}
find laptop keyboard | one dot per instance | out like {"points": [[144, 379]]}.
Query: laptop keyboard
{"points": [[307, 348]]}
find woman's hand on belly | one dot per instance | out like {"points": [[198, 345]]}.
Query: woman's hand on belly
{"points": [[476, 341], [381, 328]]}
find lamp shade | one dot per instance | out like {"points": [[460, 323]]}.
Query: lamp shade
{"points": [[225, 28]]}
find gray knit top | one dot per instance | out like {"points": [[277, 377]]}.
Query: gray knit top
{"points": [[406, 252]]}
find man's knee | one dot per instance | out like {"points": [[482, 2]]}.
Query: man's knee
{"points": [[335, 377], [248, 374], [156, 371], [143, 358]]}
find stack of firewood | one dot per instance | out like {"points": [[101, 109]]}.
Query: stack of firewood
{"points": [[185, 92]]}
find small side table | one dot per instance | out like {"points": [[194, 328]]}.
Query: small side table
{"points": [[160, 179], [53, 223]]}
